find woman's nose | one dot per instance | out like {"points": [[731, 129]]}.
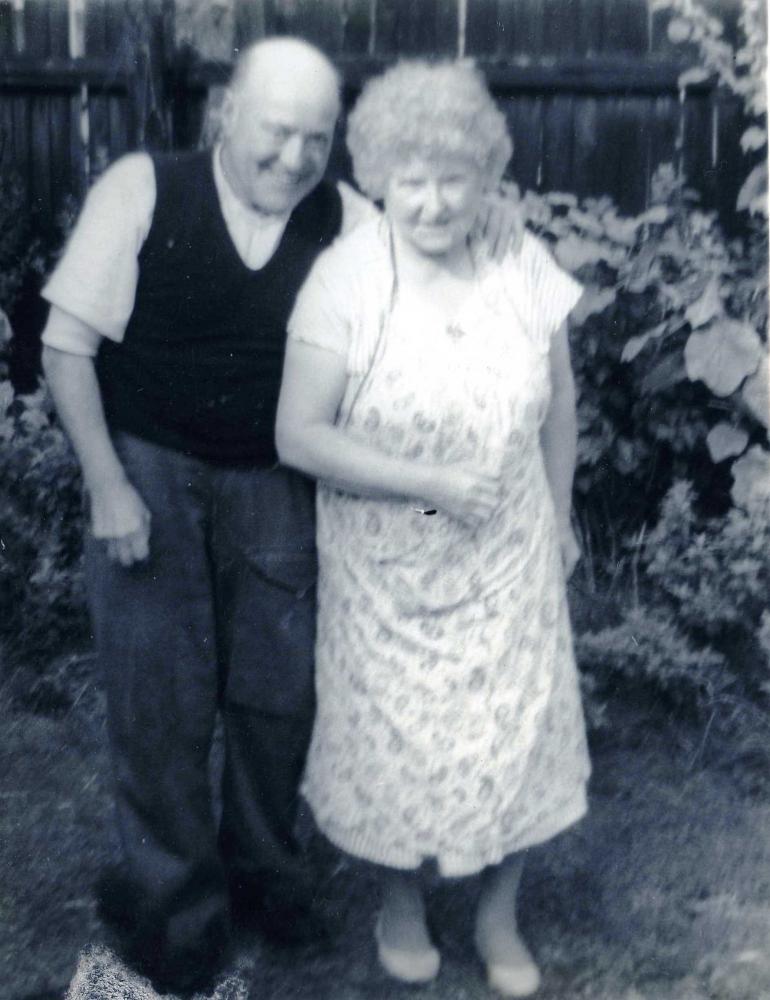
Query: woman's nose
{"points": [[434, 200]]}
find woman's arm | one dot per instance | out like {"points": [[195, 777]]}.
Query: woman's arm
{"points": [[558, 437], [307, 439]]}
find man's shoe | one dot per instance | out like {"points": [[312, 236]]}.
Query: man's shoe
{"points": [[135, 933], [284, 919]]}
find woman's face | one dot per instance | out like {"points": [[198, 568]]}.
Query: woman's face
{"points": [[433, 204]]}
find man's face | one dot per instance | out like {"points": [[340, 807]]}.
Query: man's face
{"points": [[277, 142]]}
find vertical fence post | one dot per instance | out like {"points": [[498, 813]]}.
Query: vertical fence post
{"points": [[76, 10], [19, 40], [462, 21]]}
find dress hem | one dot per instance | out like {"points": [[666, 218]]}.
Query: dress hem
{"points": [[452, 865]]}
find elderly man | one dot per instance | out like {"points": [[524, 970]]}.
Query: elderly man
{"points": [[163, 351]]}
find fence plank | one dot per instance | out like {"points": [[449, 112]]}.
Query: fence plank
{"points": [[22, 133], [59, 145], [356, 26], [625, 27], [557, 173], [58, 28], [319, 23], [36, 28], [119, 126], [77, 151], [661, 126], [96, 27], [524, 28], [6, 28], [41, 165], [590, 29], [525, 122], [731, 167], [697, 148], [7, 158], [561, 27], [406, 28], [484, 30], [249, 22]]}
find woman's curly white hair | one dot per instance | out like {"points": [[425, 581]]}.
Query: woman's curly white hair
{"points": [[432, 110]]}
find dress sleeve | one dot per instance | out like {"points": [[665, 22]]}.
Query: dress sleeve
{"points": [[96, 278], [550, 292], [322, 312]]}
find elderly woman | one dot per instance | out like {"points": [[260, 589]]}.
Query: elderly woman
{"points": [[429, 390]]}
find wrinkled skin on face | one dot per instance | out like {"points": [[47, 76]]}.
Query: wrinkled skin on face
{"points": [[278, 126]]}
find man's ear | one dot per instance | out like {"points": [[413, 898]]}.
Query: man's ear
{"points": [[228, 112]]}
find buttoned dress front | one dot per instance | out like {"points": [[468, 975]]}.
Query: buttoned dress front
{"points": [[449, 722]]}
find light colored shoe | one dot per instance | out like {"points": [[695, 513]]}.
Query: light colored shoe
{"points": [[519, 979], [407, 966]]}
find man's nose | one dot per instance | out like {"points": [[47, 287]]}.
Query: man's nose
{"points": [[293, 153]]}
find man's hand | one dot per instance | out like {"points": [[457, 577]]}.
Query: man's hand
{"points": [[500, 224], [119, 515]]}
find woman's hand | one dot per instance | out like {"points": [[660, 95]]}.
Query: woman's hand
{"points": [[467, 494], [570, 550]]}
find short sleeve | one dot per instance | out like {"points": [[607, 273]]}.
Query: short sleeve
{"points": [[321, 314], [550, 292], [67, 333], [96, 278]]}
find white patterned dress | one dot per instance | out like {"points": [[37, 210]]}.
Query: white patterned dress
{"points": [[449, 722]]}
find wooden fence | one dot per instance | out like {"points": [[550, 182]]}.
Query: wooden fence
{"points": [[589, 86]]}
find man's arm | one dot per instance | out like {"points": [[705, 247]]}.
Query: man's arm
{"points": [[118, 513]]}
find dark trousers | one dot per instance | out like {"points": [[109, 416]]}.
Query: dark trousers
{"points": [[220, 618]]}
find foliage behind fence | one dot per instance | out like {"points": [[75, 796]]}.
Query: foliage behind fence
{"points": [[590, 86]]}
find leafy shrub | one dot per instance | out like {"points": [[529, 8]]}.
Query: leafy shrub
{"points": [[41, 584], [698, 628], [20, 252], [669, 348]]}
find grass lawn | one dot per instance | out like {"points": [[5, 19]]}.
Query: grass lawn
{"points": [[662, 893]]}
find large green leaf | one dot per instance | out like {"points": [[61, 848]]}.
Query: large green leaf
{"points": [[751, 477], [574, 252], [678, 30], [635, 345], [753, 138], [620, 230], [752, 197], [5, 330], [724, 441], [723, 355], [756, 392], [705, 308], [593, 300]]}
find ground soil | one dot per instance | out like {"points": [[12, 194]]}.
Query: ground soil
{"points": [[661, 893]]}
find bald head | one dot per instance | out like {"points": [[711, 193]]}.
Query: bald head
{"points": [[277, 123], [286, 63]]}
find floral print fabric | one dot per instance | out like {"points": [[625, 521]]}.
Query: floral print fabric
{"points": [[449, 722]]}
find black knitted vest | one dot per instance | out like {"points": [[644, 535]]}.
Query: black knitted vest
{"points": [[199, 368]]}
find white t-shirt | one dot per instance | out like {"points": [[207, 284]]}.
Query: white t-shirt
{"points": [[95, 281]]}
